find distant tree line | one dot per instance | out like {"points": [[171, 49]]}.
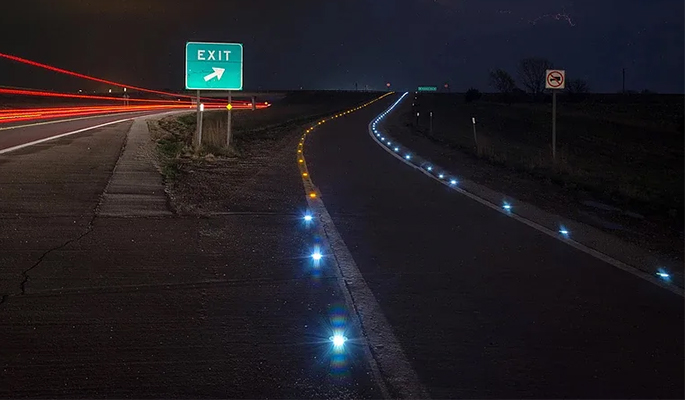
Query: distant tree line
{"points": [[531, 76]]}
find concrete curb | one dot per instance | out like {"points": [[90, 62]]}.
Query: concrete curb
{"points": [[136, 188]]}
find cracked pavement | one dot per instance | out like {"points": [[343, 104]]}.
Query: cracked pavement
{"points": [[115, 305]]}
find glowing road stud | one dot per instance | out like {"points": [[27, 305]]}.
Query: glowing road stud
{"points": [[304, 174], [397, 149], [506, 206], [316, 256], [338, 341], [453, 182], [312, 195], [563, 231], [407, 157], [441, 176], [661, 273]]}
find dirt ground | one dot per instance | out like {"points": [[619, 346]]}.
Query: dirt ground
{"points": [[619, 166], [263, 142]]}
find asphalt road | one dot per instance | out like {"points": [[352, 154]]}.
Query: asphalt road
{"points": [[157, 307], [14, 134], [485, 306], [231, 305]]}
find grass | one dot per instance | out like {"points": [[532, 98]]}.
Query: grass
{"points": [[624, 150], [174, 134]]}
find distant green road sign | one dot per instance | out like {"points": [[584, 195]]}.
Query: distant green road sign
{"points": [[214, 66], [428, 89]]}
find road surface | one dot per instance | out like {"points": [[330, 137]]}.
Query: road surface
{"points": [[15, 134], [93, 305], [483, 305], [232, 305]]}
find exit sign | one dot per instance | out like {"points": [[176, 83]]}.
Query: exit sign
{"points": [[428, 89], [214, 66]]}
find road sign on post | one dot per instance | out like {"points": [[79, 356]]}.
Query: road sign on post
{"points": [[428, 89], [214, 66], [555, 79]]}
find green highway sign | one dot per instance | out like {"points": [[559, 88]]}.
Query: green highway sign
{"points": [[214, 66], [428, 89]]}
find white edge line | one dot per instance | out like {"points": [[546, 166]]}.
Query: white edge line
{"points": [[21, 146], [579, 246], [387, 359]]}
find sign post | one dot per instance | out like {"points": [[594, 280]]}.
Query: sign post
{"points": [[213, 66], [555, 79], [228, 124], [198, 124]]}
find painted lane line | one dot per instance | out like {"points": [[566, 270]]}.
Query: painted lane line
{"points": [[35, 142], [497, 207], [391, 369], [64, 120]]}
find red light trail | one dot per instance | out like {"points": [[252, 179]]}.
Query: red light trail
{"points": [[28, 114], [91, 78]]}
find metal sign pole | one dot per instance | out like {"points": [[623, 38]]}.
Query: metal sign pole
{"points": [[228, 130], [554, 125], [198, 124]]}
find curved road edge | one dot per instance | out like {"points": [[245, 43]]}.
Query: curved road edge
{"points": [[389, 363], [589, 240]]}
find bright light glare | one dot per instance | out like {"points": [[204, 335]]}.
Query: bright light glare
{"points": [[430, 168], [661, 273], [308, 218], [397, 149], [316, 256], [441, 176], [507, 206], [563, 231], [453, 182], [338, 340], [408, 157]]}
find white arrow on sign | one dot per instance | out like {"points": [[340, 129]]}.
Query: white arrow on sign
{"points": [[218, 73]]}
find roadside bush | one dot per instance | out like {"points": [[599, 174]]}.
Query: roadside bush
{"points": [[472, 95]]}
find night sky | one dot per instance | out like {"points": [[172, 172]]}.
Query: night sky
{"points": [[333, 44]]}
